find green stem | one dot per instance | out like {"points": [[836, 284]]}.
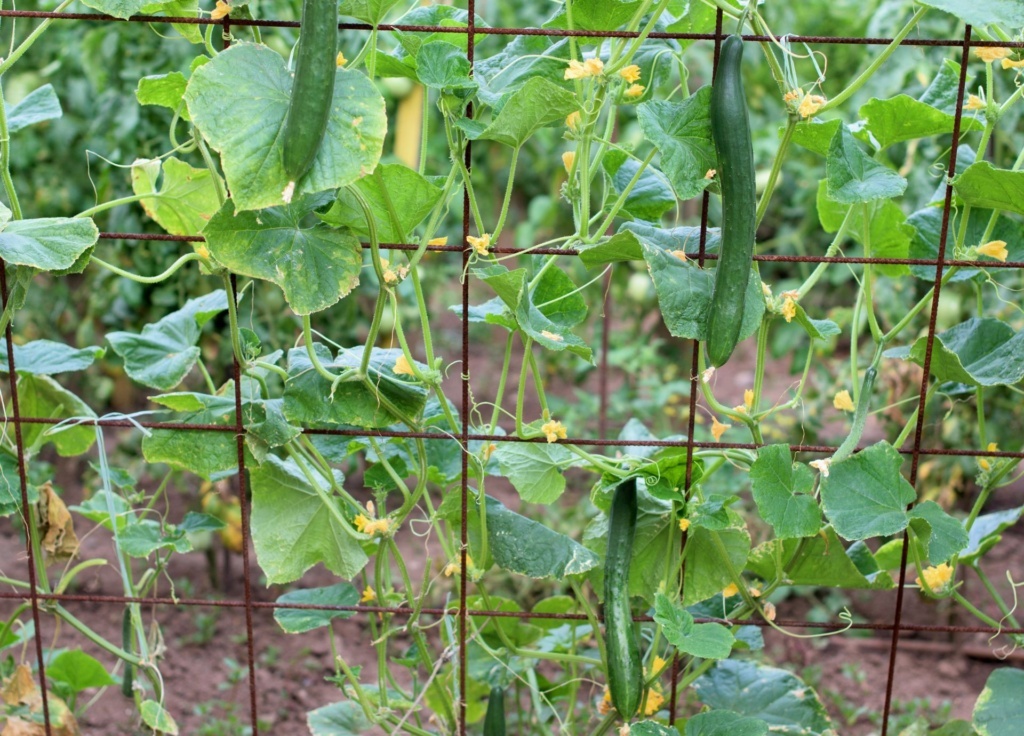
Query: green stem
{"points": [[971, 608], [508, 196], [996, 598], [102, 207], [869, 301], [496, 413], [5, 160], [773, 177], [621, 201], [171, 270]]}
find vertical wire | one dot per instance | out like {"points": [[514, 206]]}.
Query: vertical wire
{"points": [[26, 517], [930, 341], [694, 386]]}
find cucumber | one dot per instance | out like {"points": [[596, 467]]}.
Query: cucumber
{"points": [[625, 670], [730, 130], [309, 108], [494, 721], [128, 681]]}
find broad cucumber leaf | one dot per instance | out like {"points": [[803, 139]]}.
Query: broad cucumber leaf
{"points": [[983, 185], [538, 103], [984, 534], [650, 198], [164, 90], [315, 266], [10, 486], [925, 244], [163, 354], [78, 671], [823, 562], [625, 244], [651, 728], [529, 548], [706, 574], [338, 719], [37, 106], [1008, 13], [534, 469], [941, 534], [41, 396], [443, 66], [188, 196], [524, 57], [902, 118], [142, 538], [369, 11], [208, 454], [353, 403], [781, 490], [816, 135], [854, 177], [865, 495], [780, 699], [391, 188], [435, 15], [707, 641], [999, 710], [296, 526], [157, 718], [46, 358], [983, 351], [596, 15], [890, 234], [48, 243], [681, 131], [239, 101], [298, 620], [725, 723]]}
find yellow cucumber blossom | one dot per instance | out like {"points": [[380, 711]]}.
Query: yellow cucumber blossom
{"points": [[821, 465], [572, 122], [202, 251], [984, 462], [634, 90], [789, 304], [605, 706], [710, 173], [1013, 64], [769, 611], [482, 244], [810, 104], [718, 429], [568, 159], [843, 402], [373, 527], [793, 95], [369, 595], [402, 367], [630, 73], [730, 590], [937, 577], [438, 241], [684, 524], [221, 11], [748, 399], [974, 103], [654, 702], [340, 60], [454, 568], [988, 54], [581, 70], [994, 249], [553, 430], [393, 275]]}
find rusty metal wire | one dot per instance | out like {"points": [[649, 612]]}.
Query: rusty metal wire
{"points": [[40, 600]]}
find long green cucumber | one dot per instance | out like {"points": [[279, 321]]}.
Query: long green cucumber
{"points": [[494, 721], [309, 108], [625, 670], [128, 680], [730, 130]]}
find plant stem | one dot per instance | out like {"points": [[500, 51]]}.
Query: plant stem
{"points": [[171, 270]]}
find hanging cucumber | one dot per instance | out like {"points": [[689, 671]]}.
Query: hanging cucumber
{"points": [[494, 721], [312, 90], [625, 671], [730, 130], [128, 680]]}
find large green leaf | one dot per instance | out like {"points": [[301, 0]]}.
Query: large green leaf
{"points": [[45, 357], [983, 185], [902, 118], [651, 196], [296, 526], [338, 719], [443, 66], [941, 534], [681, 131], [855, 177], [596, 15], [208, 454], [823, 561], [537, 103], [782, 490], [1008, 13], [188, 196], [529, 548], [534, 469], [298, 620], [725, 723], [37, 106], [239, 101], [315, 265], [78, 671], [984, 534], [391, 188], [157, 718], [163, 90], [10, 486], [865, 495], [706, 574], [625, 244], [887, 227], [1000, 708], [163, 354], [707, 641], [308, 398], [370, 11], [781, 699], [41, 396], [48, 243], [983, 351]]}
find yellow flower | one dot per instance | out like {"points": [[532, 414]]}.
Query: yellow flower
{"points": [[402, 366], [766, 290], [481, 244], [582, 70], [994, 249], [769, 611], [843, 402], [568, 159], [730, 590], [710, 173], [988, 54], [740, 409], [657, 665], [202, 251], [938, 577], [341, 60], [793, 95], [551, 335], [680, 254], [684, 524], [488, 450], [630, 73], [572, 122], [983, 462], [789, 309], [654, 702], [438, 241], [593, 66], [810, 104], [221, 10], [634, 90], [369, 595], [748, 398], [605, 706], [553, 430], [718, 429], [974, 103], [821, 465], [1011, 64], [453, 568]]}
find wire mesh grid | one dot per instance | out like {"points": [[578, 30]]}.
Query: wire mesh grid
{"points": [[39, 600]]}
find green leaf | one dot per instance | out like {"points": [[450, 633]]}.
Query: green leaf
{"points": [[143, 538], [444, 66], [985, 533], [888, 229], [865, 495], [1000, 708], [595, 15], [154, 716], [315, 266], [45, 357], [925, 245], [536, 104], [194, 523], [369, 11], [652, 195], [706, 574], [822, 561], [855, 177], [902, 118], [707, 641], [781, 491], [529, 548], [298, 620], [534, 469], [338, 719], [296, 526], [410, 195], [519, 60], [41, 396], [942, 535], [48, 243], [78, 671], [725, 723], [188, 196], [205, 453], [165, 352], [239, 101], [307, 394], [982, 351], [983, 185], [944, 89], [681, 131], [651, 728], [982, 12], [816, 135], [10, 486], [38, 105], [780, 699], [163, 90]]}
